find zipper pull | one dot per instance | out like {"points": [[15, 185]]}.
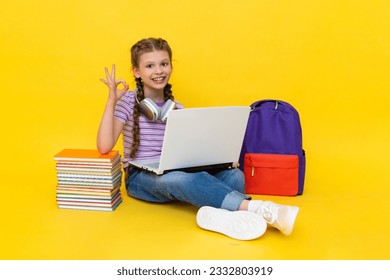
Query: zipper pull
{"points": [[253, 171]]}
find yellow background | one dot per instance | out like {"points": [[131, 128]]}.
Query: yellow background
{"points": [[328, 58]]}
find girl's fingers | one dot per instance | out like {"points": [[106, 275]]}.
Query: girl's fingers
{"points": [[110, 78], [106, 71], [126, 87], [121, 81], [124, 84], [113, 72]]}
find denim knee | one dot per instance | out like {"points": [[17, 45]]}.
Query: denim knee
{"points": [[234, 178]]}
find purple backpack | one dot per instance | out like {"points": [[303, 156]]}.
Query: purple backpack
{"points": [[274, 128]]}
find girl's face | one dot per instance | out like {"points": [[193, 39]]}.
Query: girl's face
{"points": [[155, 70]]}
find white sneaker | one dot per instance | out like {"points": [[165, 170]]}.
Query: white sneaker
{"points": [[281, 217], [241, 225]]}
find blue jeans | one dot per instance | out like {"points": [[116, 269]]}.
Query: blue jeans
{"points": [[220, 189]]}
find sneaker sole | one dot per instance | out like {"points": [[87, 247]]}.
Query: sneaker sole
{"points": [[241, 225]]}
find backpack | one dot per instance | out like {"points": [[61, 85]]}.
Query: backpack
{"points": [[272, 157]]}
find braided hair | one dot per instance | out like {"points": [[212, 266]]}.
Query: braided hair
{"points": [[141, 47]]}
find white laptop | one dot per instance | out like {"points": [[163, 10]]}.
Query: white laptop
{"points": [[200, 138]]}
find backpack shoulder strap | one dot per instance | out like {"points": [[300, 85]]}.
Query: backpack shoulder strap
{"points": [[276, 104], [260, 102]]}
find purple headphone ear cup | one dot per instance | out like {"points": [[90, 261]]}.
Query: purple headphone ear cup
{"points": [[164, 111]]}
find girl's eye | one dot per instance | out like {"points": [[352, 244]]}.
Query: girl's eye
{"points": [[165, 64], [149, 66]]}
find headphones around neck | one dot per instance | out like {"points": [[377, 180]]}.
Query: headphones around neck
{"points": [[152, 111]]}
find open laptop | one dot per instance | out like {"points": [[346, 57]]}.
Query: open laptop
{"points": [[200, 138]]}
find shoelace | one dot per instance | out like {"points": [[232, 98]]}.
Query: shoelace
{"points": [[269, 211]]}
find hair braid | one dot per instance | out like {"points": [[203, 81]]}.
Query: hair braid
{"points": [[168, 92], [136, 114]]}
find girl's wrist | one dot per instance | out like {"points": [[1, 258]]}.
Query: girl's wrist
{"points": [[111, 102]]}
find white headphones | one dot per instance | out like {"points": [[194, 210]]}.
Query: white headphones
{"points": [[152, 111]]}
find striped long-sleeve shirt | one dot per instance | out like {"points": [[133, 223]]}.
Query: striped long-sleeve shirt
{"points": [[151, 132]]}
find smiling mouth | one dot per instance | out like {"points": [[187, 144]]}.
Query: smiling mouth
{"points": [[158, 79]]}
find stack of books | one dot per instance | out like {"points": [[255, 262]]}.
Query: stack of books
{"points": [[88, 180]]}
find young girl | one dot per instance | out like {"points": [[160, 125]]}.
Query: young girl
{"points": [[139, 116]]}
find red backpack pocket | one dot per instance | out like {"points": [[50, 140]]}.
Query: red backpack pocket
{"points": [[271, 174]]}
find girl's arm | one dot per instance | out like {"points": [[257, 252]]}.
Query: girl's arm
{"points": [[110, 128]]}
